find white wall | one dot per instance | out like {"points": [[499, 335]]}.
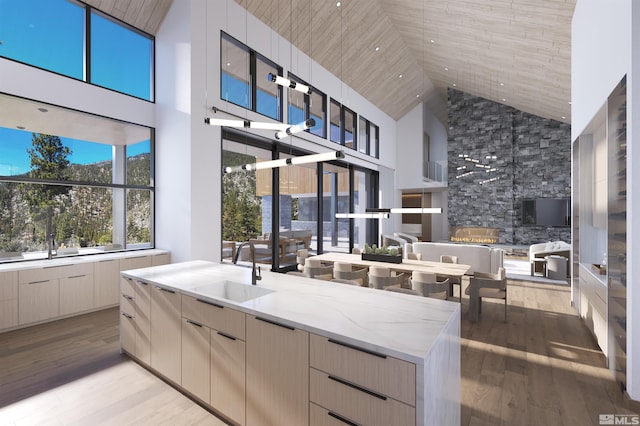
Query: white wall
{"points": [[605, 36], [409, 149], [32, 83]]}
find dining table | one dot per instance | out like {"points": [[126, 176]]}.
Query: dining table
{"points": [[407, 265]]}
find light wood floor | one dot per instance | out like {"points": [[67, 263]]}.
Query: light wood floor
{"points": [[542, 367]]}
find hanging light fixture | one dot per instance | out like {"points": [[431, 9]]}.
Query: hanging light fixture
{"points": [[243, 123], [285, 82], [296, 128], [406, 210], [304, 159], [372, 215]]}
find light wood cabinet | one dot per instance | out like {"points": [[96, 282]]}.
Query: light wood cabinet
{"points": [[76, 294], [277, 373], [166, 327], [38, 300], [160, 259], [143, 321], [127, 332], [359, 385], [228, 375], [136, 262], [195, 359], [106, 277], [8, 299]]}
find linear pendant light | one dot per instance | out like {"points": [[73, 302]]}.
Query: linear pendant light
{"points": [[297, 128], [285, 82], [282, 130], [405, 210], [379, 215], [304, 159]]}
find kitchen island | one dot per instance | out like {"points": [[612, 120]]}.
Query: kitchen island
{"points": [[294, 350]]}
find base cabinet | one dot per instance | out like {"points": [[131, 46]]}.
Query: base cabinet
{"points": [[166, 330], [277, 374], [8, 299], [142, 293], [106, 278], [76, 294], [228, 375], [196, 359], [38, 300]]}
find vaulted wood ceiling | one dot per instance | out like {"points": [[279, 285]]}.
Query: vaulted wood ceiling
{"points": [[516, 52]]}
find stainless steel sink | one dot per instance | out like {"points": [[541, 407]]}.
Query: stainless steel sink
{"points": [[232, 290]]}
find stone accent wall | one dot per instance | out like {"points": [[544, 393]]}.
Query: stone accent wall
{"points": [[532, 159]]}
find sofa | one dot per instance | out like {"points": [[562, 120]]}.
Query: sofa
{"points": [[480, 258], [542, 250]]}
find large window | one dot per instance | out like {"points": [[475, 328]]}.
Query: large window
{"points": [[51, 35], [336, 123], [72, 189], [368, 141], [303, 107], [335, 199], [243, 79], [121, 58], [344, 125]]}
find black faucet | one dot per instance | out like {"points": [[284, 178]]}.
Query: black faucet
{"points": [[255, 277]]}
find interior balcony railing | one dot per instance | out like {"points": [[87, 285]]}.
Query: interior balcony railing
{"points": [[435, 171]]}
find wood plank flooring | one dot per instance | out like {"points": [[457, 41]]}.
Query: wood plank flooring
{"points": [[541, 367]]}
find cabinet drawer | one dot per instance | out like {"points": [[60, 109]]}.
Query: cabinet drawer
{"points": [[128, 305], [356, 403], [55, 272], [214, 316], [76, 294], [38, 301], [387, 375], [127, 286], [135, 262], [319, 416]]}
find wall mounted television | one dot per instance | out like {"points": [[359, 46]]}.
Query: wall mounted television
{"points": [[546, 212]]}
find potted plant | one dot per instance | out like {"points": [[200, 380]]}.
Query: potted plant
{"points": [[381, 254]]}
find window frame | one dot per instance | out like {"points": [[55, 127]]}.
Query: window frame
{"points": [[307, 104]]}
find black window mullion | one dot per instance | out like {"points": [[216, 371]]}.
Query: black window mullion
{"points": [[320, 211], [352, 205], [254, 86], [87, 44]]}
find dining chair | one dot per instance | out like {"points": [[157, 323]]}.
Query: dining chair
{"points": [[341, 281], [414, 256], [403, 290], [313, 268], [445, 258], [381, 277], [301, 256], [345, 271], [356, 250], [483, 284], [427, 284]]}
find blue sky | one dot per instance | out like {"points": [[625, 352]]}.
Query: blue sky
{"points": [[54, 39]]}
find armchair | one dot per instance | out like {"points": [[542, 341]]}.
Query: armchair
{"points": [[486, 285]]}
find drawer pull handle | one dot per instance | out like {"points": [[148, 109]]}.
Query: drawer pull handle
{"points": [[226, 335], [194, 323], [165, 290], [78, 276], [356, 387], [210, 303], [288, 327], [124, 314], [366, 351], [342, 419], [39, 282], [126, 296], [49, 267]]}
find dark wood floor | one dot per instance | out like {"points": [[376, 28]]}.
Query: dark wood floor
{"points": [[540, 368]]}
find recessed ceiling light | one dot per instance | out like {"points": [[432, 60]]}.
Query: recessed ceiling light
{"points": [[432, 41], [228, 64], [569, 102], [504, 100], [43, 110], [20, 127], [563, 117], [338, 4], [400, 76], [377, 48], [454, 85], [446, 69], [418, 95], [501, 84]]}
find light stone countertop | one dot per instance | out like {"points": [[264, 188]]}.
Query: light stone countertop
{"points": [[22, 265], [394, 324]]}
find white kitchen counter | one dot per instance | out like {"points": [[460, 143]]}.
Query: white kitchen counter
{"points": [[394, 324]]}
